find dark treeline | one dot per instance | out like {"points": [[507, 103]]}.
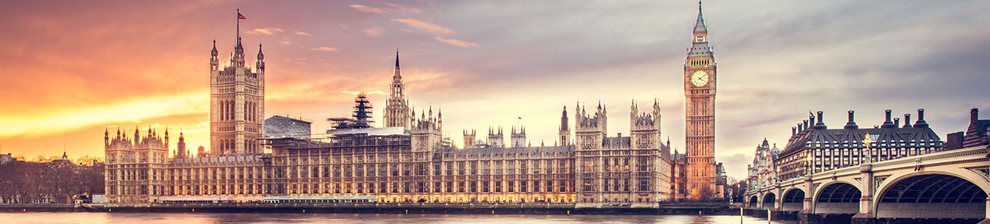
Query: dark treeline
{"points": [[56, 181]]}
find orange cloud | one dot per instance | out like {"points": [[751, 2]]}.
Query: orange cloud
{"points": [[131, 111], [373, 32], [456, 42], [301, 33], [367, 9], [425, 26], [324, 49], [265, 31]]}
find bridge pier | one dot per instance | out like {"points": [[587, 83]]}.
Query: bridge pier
{"points": [[865, 215], [785, 215], [808, 218], [807, 214], [986, 218], [760, 213]]}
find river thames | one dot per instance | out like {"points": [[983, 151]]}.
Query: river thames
{"points": [[190, 218]]}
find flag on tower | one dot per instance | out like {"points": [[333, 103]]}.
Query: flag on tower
{"points": [[240, 16]]}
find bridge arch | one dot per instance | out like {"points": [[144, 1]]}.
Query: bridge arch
{"points": [[838, 197], [768, 200], [792, 200], [818, 189], [935, 193], [754, 202]]}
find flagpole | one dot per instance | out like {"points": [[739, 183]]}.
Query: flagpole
{"points": [[238, 18]]}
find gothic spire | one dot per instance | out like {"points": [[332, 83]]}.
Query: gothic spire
{"points": [[261, 54], [699, 26], [397, 87], [214, 51]]}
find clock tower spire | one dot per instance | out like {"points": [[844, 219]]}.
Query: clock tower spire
{"points": [[699, 92]]}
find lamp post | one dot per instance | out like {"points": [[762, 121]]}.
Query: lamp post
{"points": [[867, 140]]}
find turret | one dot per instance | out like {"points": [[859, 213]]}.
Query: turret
{"points": [[469, 138], [656, 113], [214, 60], [237, 60], [495, 137], [518, 136], [633, 111], [565, 130], [645, 127], [181, 147], [137, 136], [590, 129], [260, 65]]}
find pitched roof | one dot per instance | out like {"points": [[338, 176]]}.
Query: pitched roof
{"points": [[832, 138]]}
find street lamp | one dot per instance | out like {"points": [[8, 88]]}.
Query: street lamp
{"points": [[867, 139]]}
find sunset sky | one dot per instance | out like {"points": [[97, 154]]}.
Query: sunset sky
{"points": [[71, 69]]}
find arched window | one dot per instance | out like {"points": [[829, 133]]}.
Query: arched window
{"points": [[222, 110]]}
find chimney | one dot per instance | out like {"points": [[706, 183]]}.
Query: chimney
{"points": [[886, 122], [921, 119], [974, 115], [851, 124], [821, 121], [897, 122], [793, 131], [907, 120]]}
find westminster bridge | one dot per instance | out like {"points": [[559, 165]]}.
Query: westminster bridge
{"points": [[948, 186]]}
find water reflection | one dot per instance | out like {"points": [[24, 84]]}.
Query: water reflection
{"points": [[191, 218]]}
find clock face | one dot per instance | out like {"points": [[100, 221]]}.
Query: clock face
{"points": [[699, 78]]}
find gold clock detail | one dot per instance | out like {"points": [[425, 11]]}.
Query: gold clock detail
{"points": [[699, 78]]}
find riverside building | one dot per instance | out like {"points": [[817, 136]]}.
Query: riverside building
{"points": [[813, 147], [408, 160]]}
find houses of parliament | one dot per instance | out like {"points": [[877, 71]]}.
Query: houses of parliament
{"points": [[408, 160]]}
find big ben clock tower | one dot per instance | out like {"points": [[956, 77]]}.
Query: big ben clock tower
{"points": [[699, 92]]}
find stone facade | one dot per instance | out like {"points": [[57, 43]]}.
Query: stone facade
{"points": [[135, 167], [626, 171], [237, 103], [763, 172], [409, 160], [699, 91]]}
